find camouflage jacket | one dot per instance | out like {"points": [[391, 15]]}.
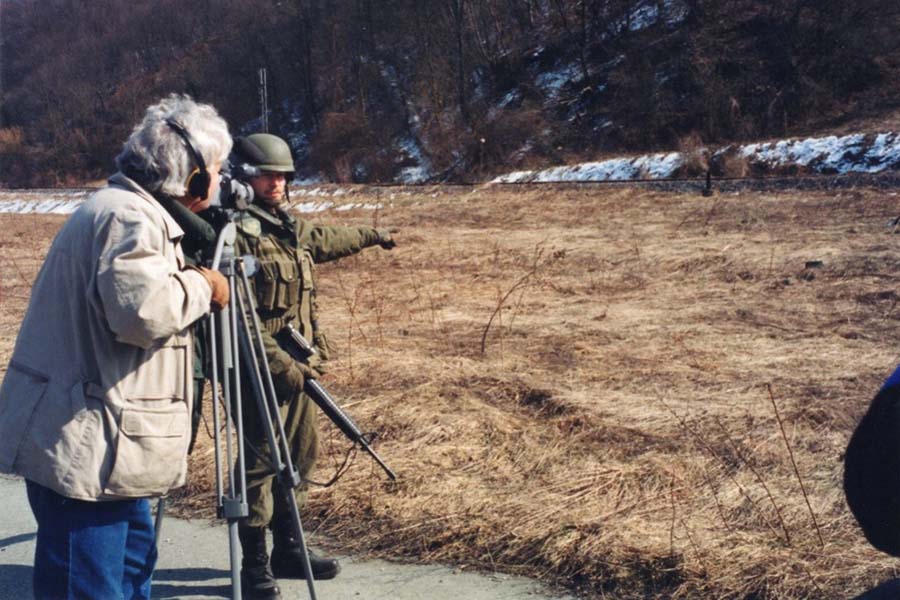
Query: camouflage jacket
{"points": [[285, 286]]}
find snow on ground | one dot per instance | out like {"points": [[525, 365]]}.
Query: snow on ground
{"points": [[832, 154], [553, 81], [312, 207], [41, 201], [653, 166], [63, 202], [642, 17], [857, 153], [322, 206], [420, 170], [648, 13], [318, 192]]}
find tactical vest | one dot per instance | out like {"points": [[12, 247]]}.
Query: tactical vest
{"points": [[284, 284]]}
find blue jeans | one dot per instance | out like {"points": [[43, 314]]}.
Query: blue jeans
{"points": [[91, 550]]}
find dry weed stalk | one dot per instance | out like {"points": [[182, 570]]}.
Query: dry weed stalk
{"points": [[759, 478], [787, 444], [351, 310], [377, 300], [522, 282], [21, 274], [698, 437]]}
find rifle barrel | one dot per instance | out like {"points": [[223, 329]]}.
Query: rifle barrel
{"points": [[343, 421]]}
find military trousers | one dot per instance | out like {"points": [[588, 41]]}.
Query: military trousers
{"points": [[265, 498]]}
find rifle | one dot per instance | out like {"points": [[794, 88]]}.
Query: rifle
{"points": [[300, 349]]}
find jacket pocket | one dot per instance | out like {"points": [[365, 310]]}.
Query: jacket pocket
{"points": [[288, 284], [164, 375], [20, 394], [266, 285], [150, 451]]}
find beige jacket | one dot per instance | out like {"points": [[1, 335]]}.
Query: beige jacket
{"points": [[96, 400]]}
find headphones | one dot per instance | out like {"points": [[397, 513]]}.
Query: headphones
{"points": [[198, 180]]}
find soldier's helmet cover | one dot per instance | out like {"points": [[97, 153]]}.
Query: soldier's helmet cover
{"points": [[264, 151]]}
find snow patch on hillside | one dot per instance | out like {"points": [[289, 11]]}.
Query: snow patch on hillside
{"points": [[652, 166], [856, 153], [420, 169], [552, 82], [649, 13]]}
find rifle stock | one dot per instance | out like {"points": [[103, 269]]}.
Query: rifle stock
{"points": [[298, 347]]}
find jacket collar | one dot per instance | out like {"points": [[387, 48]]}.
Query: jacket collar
{"points": [[281, 219], [173, 229]]}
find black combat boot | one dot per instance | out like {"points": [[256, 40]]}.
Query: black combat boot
{"points": [[287, 556], [257, 581]]}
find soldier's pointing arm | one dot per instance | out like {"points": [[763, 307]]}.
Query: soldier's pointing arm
{"points": [[331, 242]]}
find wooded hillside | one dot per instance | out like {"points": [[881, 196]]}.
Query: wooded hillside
{"points": [[460, 88]]}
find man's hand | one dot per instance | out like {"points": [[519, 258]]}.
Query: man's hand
{"points": [[385, 239], [219, 286]]}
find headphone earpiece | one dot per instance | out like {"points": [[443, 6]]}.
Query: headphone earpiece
{"points": [[198, 181], [198, 184]]}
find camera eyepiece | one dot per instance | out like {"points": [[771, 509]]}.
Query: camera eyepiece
{"points": [[234, 192]]}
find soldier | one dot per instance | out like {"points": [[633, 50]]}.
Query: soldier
{"points": [[285, 288]]}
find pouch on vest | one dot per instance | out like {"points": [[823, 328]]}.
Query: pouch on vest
{"points": [[266, 284], [289, 284], [277, 284], [872, 469]]}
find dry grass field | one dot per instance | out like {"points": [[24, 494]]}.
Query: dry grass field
{"points": [[633, 393]]}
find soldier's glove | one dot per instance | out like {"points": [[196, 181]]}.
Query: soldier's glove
{"points": [[385, 239], [308, 371], [298, 375], [219, 286]]}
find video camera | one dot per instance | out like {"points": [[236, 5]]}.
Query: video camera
{"points": [[234, 191]]}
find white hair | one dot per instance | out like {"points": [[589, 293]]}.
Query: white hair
{"points": [[156, 152]]}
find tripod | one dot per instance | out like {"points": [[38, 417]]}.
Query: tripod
{"points": [[235, 341]]}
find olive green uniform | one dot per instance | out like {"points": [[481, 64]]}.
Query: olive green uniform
{"points": [[285, 290]]}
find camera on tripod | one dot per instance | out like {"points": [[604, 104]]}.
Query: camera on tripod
{"points": [[234, 191]]}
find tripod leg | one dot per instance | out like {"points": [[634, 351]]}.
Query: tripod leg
{"points": [[253, 350], [298, 532], [223, 349]]}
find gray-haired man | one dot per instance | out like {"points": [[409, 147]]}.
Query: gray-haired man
{"points": [[95, 405]]}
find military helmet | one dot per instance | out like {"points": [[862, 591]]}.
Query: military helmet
{"points": [[265, 151]]}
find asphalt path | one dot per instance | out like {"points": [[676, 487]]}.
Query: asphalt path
{"points": [[194, 564]]}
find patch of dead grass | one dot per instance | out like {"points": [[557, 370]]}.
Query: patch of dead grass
{"points": [[616, 435]]}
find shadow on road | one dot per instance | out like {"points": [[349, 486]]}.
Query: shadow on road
{"points": [[15, 580], [184, 583], [17, 539]]}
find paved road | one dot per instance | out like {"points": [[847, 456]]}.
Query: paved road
{"points": [[193, 564]]}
